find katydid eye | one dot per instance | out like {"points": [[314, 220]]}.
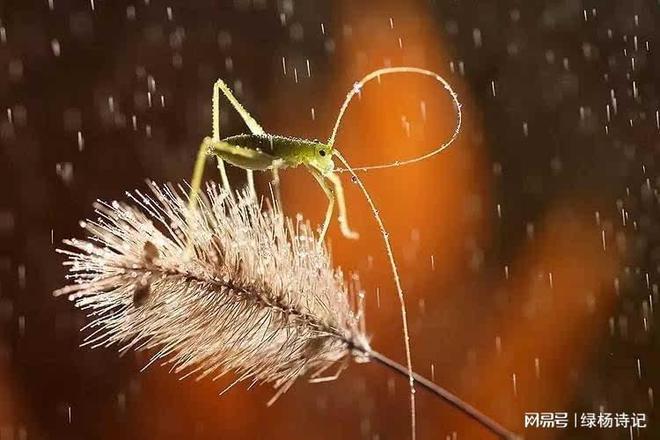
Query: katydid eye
{"points": [[322, 153]]}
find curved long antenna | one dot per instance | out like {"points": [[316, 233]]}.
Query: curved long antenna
{"points": [[389, 70], [397, 282]]}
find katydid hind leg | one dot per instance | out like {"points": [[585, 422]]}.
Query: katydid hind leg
{"points": [[221, 86], [329, 192], [341, 206], [253, 125], [198, 174], [241, 157], [250, 183]]}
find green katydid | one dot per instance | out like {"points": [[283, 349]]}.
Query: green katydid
{"points": [[260, 151]]}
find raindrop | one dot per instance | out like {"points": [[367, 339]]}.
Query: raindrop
{"points": [[515, 384], [177, 60], [537, 367], [530, 230], [329, 45], [296, 32], [224, 40], [651, 400], [549, 56], [55, 46], [21, 276], [21, 325], [16, 69], [476, 37], [64, 170], [391, 385]]}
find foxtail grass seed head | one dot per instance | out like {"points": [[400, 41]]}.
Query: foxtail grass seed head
{"points": [[227, 287]]}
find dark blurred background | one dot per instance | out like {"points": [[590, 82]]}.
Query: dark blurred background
{"points": [[529, 250]]}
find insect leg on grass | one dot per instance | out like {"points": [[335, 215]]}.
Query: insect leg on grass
{"points": [[317, 378], [334, 192], [261, 151], [252, 124]]}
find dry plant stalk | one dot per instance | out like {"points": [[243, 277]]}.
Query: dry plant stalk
{"points": [[228, 287]]}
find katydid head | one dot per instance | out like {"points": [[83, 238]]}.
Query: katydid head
{"points": [[320, 157]]}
